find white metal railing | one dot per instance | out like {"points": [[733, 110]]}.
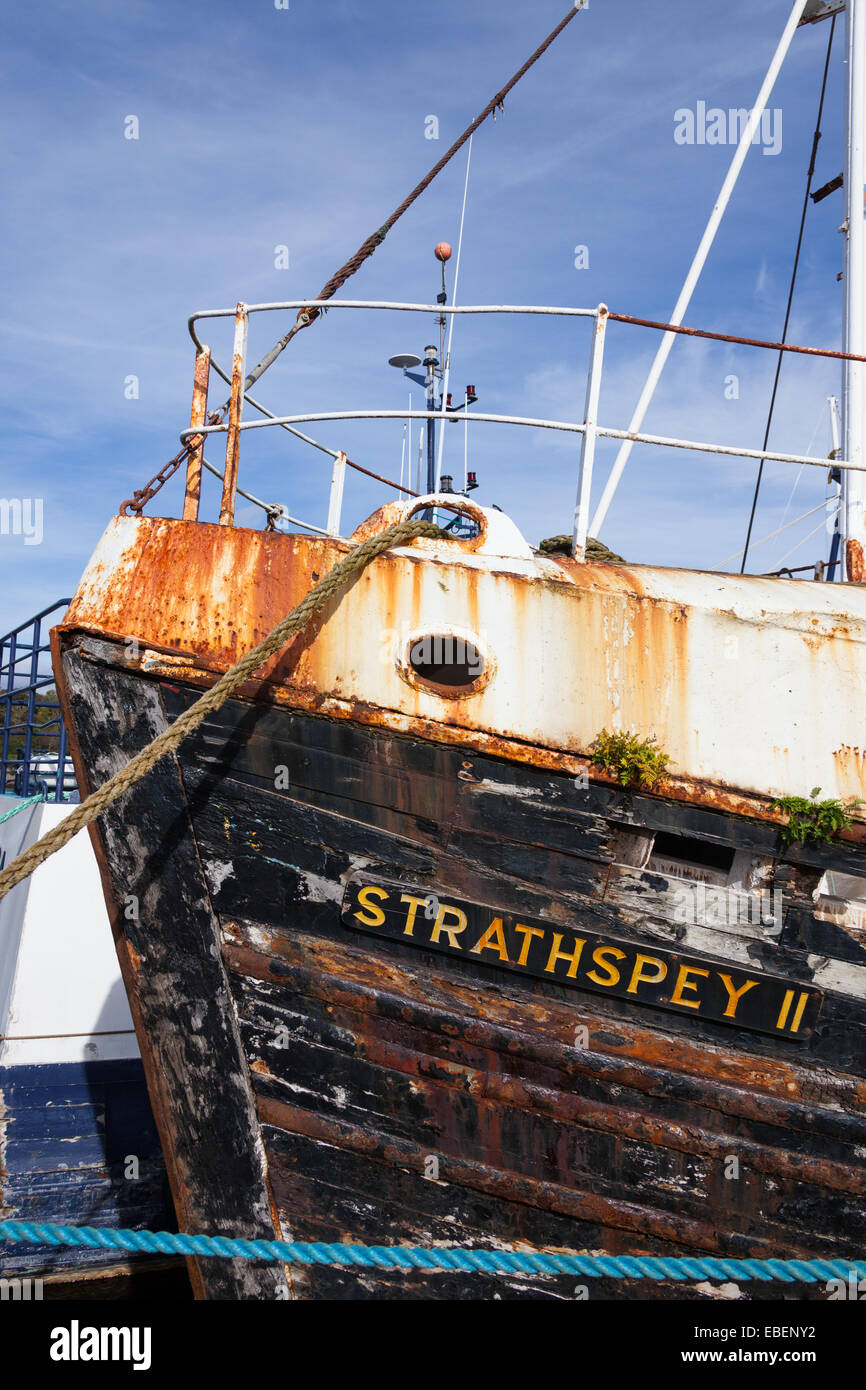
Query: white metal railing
{"points": [[588, 428]]}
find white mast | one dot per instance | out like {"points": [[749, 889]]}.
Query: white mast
{"points": [[854, 373], [755, 116]]}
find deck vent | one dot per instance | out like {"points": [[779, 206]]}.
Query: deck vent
{"points": [[446, 663]]}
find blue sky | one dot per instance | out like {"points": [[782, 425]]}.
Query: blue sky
{"points": [[304, 127]]}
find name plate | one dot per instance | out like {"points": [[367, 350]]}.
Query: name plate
{"points": [[637, 972]]}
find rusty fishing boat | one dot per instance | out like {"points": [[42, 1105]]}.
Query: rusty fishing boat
{"points": [[413, 956]]}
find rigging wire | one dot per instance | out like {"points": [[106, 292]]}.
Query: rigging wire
{"points": [[446, 375], [403, 455], [142, 496], [803, 466], [307, 316], [810, 175], [821, 524], [778, 531], [275, 511]]}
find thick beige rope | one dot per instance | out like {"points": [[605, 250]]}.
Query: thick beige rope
{"points": [[141, 764]]}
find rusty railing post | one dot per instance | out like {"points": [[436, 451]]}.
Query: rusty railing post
{"points": [[198, 416], [233, 438]]}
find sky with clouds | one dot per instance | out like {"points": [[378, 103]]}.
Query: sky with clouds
{"points": [[304, 127]]}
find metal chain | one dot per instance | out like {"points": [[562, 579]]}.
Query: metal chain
{"points": [[139, 499]]}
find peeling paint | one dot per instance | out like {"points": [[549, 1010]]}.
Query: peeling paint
{"points": [[732, 673]]}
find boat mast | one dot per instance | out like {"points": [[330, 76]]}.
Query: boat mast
{"points": [[854, 373], [800, 8]]}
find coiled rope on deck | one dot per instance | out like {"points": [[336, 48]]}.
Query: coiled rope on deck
{"points": [[448, 1259], [348, 568]]}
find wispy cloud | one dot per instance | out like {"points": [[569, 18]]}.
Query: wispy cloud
{"points": [[305, 127]]}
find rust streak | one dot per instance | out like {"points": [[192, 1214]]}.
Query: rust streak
{"points": [[854, 566], [239, 583]]}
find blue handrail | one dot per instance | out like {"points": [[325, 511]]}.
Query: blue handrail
{"points": [[26, 713]]}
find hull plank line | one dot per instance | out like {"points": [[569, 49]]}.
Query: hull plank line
{"points": [[175, 980], [361, 1087]]}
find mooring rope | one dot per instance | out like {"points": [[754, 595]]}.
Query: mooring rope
{"points": [[305, 317], [366, 249], [22, 806], [138, 767], [449, 1258]]}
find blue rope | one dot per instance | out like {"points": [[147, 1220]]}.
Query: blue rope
{"points": [[692, 1267], [22, 806]]}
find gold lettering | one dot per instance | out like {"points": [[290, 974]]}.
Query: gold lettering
{"points": [[683, 982], [734, 995], [572, 957], [638, 977], [378, 916], [527, 933], [493, 940], [457, 926], [414, 904], [783, 1012], [798, 1015], [598, 957]]}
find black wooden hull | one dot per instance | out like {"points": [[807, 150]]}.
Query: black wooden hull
{"points": [[344, 1086]]}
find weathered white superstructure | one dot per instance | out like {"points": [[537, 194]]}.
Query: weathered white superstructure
{"points": [[755, 687]]}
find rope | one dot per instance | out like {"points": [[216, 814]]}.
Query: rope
{"points": [[348, 568], [22, 806], [810, 175], [449, 1259], [595, 550], [379, 479], [305, 317]]}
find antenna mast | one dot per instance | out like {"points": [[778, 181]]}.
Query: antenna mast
{"points": [[854, 227]]}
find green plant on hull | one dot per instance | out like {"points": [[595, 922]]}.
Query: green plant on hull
{"points": [[811, 821], [632, 760]]}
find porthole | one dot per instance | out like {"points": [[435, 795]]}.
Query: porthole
{"points": [[449, 664]]}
